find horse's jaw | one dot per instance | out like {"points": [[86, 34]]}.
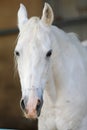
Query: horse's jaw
{"points": [[51, 88]]}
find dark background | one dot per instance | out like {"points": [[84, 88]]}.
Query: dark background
{"points": [[11, 115]]}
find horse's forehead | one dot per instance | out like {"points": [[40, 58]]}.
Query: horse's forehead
{"points": [[34, 32]]}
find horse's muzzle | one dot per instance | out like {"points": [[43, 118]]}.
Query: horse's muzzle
{"points": [[32, 109]]}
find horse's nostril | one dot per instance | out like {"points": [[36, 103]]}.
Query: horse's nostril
{"points": [[22, 104], [38, 107], [38, 102]]}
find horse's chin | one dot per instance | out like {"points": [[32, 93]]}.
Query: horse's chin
{"points": [[32, 116]]}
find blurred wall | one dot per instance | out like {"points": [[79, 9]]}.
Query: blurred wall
{"points": [[10, 92], [69, 10]]}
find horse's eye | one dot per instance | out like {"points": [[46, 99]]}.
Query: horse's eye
{"points": [[49, 53], [17, 53]]}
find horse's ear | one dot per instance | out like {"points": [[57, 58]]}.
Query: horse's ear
{"points": [[47, 16], [22, 16]]}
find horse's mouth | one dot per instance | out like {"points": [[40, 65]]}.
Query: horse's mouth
{"points": [[33, 114]]}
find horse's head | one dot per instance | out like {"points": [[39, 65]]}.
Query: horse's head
{"points": [[33, 54]]}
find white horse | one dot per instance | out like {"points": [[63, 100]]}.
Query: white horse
{"points": [[52, 67]]}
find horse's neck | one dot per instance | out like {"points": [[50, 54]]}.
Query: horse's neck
{"points": [[65, 59]]}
